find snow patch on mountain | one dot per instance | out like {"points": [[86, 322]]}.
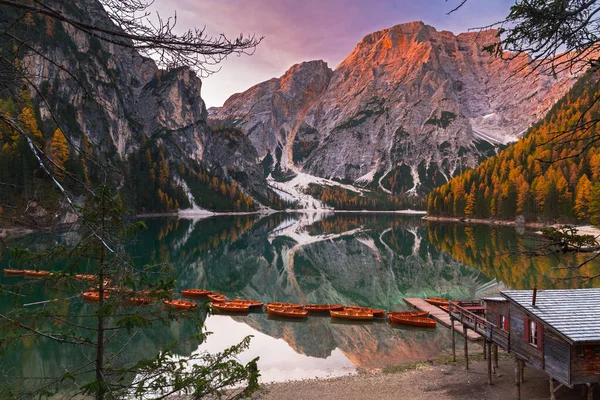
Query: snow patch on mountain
{"points": [[294, 190], [367, 178]]}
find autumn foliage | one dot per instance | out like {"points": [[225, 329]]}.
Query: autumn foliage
{"points": [[553, 173]]}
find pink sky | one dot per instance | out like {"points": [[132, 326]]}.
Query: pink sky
{"points": [[297, 31]]}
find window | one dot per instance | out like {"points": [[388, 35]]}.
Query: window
{"points": [[580, 351], [533, 332], [596, 350], [503, 323]]}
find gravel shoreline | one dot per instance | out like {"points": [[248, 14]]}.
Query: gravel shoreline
{"points": [[425, 381]]}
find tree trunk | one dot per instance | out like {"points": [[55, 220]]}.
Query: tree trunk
{"points": [[100, 328]]}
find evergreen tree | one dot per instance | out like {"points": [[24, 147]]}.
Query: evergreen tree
{"points": [[124, 293]]}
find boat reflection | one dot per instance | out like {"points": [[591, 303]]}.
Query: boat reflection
{"points": [[370, 260]]}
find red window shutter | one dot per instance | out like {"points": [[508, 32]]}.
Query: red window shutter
{"points": [[540, 334], [526, 330], [506, 324]]}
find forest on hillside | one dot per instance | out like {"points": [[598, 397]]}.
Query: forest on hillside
{"points": [[552, 174]]}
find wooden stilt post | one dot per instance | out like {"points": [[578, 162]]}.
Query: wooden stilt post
{"points": [[522, 367], [453, 340], [517, 378], [495, 348], [485, 344], [554, 386], [590, 391], [489, 362], [466, 347]]}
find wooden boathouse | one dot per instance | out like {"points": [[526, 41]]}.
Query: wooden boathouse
{"points": [[555, 331]]}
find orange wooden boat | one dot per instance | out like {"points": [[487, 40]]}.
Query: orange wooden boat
{"points": [[437, 301], [217, 298], [86, 277], [94, 296], [141, 301], [414, 321], [422, 314], [358, 315], [285, 305], [36, 274], [230, 306], [195, 292], [287, 312], [249, 303], [322, 308], [376, 312], [180, 304], [13, 272]]}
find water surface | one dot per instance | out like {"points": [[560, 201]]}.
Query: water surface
{"points": [[362, 259]]}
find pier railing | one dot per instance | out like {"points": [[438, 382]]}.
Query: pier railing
{"points": [[471, 320]]}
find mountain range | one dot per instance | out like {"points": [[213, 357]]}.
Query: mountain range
{"points": [[407, 110]]}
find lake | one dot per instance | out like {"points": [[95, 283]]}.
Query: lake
{"points": [[364, 259]]}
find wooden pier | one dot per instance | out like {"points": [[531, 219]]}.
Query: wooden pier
{"points": [[440, 316]]}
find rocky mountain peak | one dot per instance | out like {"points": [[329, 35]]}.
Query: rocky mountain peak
{"points": [[410, 106], [271, 112], [415, 42]]}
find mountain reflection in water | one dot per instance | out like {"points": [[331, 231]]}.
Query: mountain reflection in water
{"points": [[364, 259]]}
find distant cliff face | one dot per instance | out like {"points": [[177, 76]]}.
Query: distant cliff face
{"points": [[112, 100], [271, 113], [409, 102]]}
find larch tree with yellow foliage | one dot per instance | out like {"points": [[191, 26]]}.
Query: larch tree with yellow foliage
{"points": [[59, 152]]}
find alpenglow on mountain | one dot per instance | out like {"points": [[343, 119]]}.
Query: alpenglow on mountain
{"points": [[404, 112]]}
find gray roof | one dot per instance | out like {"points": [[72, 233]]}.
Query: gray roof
{"points": [[574, 313], [494, 299]]}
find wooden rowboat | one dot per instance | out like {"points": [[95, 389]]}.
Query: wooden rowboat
{"points": [[36, 274], [13, 272], [195, 292], [437, 301], [249, 303], [285, 305], [230, 306], [422, 314], [287, 312], [352, 314], [376, 312], [322, 308], [180, 304], [94, 296], [216, 297], [413, 321]]}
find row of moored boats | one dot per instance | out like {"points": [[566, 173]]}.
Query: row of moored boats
{"points": [[222, 304], [300, 311]]}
